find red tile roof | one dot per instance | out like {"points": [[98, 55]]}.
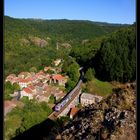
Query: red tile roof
{"points": [[17, 79], [31, 87], [48, 76], [46, 88], [39, 84], [74, 110], [25, 81], [29, 79], [40, 73], [57, 77], [27, 90]]}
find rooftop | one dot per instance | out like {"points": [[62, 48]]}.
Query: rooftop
{"points": [[57, 76], [73, 111], [27, 90], [89, 96]]}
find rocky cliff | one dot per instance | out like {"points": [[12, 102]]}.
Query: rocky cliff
{"points": [[112, 119]]}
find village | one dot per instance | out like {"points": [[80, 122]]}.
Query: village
{"points": [[41, 86]]}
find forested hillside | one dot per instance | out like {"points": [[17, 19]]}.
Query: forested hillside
{"points": [[35, 43], [116, 59], [107, 53], [61, 30]]}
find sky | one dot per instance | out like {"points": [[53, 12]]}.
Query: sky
{"points": [[111, 11]]}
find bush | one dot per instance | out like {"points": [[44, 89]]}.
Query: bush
{"points": [[90, 73]]}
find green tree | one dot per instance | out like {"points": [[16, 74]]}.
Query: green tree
{"points": [[52, 99], [8, 89], [116, 59], [70, 85], [33, 69], [16, 86], [50, 71], [73, 72], [90, 73]]}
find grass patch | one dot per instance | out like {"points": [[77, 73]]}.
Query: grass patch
{"points": [[99, 87]]}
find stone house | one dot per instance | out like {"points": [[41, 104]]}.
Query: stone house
{"points": [[24, 74], [50, 68], [13, 80], [39, 87], [10, 77], [26, 92], [73, 112], [24, 83], [57, 78], [57, 62], [32, 88], [46, 68], [87, 99], [59, 94], [42, 98]]}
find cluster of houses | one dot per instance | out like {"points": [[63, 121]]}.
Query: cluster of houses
{"points": [[42, 85], [38, 85], [85, 100]]}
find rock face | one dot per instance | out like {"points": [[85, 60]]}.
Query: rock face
{"points": [[66, 45], [35, 41], [38, 41], [24, 42], [114, 118]]}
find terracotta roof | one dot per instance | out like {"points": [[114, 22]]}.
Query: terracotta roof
{"points": [[40, 73], [24, 81], [34, 77], [48, 76], [27, 90], [17, 79], [45, 88], [39, 84], [31, 87], [74, 110], [29, 79], [58, 77]]}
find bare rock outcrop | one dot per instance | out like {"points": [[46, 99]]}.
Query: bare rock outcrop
{"points": [[38, 41], [114, 118]]}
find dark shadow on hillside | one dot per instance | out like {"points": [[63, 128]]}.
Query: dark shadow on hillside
{"points": [[40, 131]]}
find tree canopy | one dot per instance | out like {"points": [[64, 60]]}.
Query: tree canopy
{"points": [[116, 59]]}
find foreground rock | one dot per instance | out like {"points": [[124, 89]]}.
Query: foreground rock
{"points": [[112, 119]]}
